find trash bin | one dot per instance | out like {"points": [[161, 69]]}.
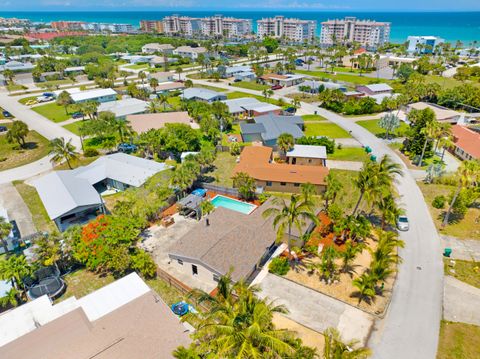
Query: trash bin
{"points": [[373, 158], [368, 149], [447, 252]]}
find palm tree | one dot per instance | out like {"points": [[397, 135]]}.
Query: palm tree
{"points": [[179, 71], [389, 209], [349, 254], [366, 287], [308, 190], [429, 131], [18, 132], [288, 214], [327, 267], [467, 174], [285, 143], [64, 99], [335, 348], [5, 229], [163, 100], [267, 93], [15, 269], [334, 187], [10, 298], [153, 82], [142, 76], [62, 150]]}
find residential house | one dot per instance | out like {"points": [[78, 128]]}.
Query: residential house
{"points": [[75, 70], [307, 155], [319, 86], [202, 94], [155, 47], [123, 108], [123, 320], [137, 59], [161, 76], [190, 52], [148, 121], [250, 106], [286, 80], [97, 95], [17, 66], [467, 143], [231, 71], [74, 196], [423, 44], [442, 114], [158, 61], [245, 76], [267, 128], [258, 163], [374, 89]]}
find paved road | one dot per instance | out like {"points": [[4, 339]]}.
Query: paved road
{"points": [[23, 172], [412, 324], [16, 208], [316, 310], [461, 302]]}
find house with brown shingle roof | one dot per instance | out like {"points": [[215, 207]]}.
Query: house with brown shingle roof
{"points": [[467, 143], [257, 162]]}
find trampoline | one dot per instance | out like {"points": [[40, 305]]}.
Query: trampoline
{"points": [[182, 308], [46, 281]]}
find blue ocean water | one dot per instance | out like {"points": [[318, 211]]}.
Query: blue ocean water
{"points": [[452, 26]]}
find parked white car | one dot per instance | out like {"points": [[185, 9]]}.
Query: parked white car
{"points": [[44, 99], [402, 223]]}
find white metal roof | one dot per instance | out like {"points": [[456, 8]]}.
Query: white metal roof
{"points": [[308, 151], [120, 108], [63, 191], [248, 104], [378, 87], [78, 95], [202, 93]]}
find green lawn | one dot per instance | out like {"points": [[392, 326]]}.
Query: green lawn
{"points": [[223, 168], [349, 154], [12, 155], [213, 88], [24, 100], [466, 271], [41, 220], [447, 82], [250, 85], [353, 78], [52, 111], [55, 83], [75, 127], [137, 67], [373, 127], [327, 129], [309, 118], [237, 94], [349, 194], [81, 161], [468, 227], [458, 341], [15, 87]]}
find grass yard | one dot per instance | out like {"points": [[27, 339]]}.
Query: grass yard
{"points": [[447, 82], [458, 341], [373, 127], [24, 100], [15, 87], [12, 155], [327, 129], [83, 282], [250, 85], [137, 67], [353, 78], [236, 94], [213, 88], [55, 83], [349, 154], [53, 112], [468, 227], [349, 194], [466, 271], [313, 118], [82, 161], [75, 126], [41, 220], [223, 164]]}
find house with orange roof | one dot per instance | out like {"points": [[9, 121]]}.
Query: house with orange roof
{"points": [[467, 143], [258, 163]]}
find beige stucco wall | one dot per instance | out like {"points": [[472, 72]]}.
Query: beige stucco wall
{"points": [[204, 274], [306, 161], [289, 187]]}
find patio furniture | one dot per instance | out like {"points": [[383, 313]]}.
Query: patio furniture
{"points": [[167, 221]]}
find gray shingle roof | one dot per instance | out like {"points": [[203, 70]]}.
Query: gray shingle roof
{"points": [[201, 93], [275, 125]]}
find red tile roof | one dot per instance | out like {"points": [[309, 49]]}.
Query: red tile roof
{"points": [[467, 139]]}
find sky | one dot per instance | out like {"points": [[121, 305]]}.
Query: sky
{"points": [[244, 5]]}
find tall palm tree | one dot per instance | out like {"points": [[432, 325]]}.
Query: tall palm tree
{"points": [[285, 143], [429, 131], [467, 174], [62, 150], [366, 287], [15, 269], [349, 254], [5, 229], [142, 76], [389, 209], [334, 187], [289, 214], [335, 348], [153, 82], [10, 298], [163, 100], [179, 71]]}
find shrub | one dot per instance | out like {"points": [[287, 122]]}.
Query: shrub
{"points": [[90, 152], [279, 265], [439, 202]]}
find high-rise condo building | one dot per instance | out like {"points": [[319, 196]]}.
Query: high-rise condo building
{"points": [[209, 26], [182, 25], [155, 26], [292, 29], [68, 25], [368, 33]]}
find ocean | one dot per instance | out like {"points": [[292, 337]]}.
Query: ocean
{"points": [[452, 26]]}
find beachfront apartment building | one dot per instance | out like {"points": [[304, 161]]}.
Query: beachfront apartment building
{"points": [[182, 25], [213, 26], [296, 30], [155, 26], [423, 44], [368, 33], [68, 25]]}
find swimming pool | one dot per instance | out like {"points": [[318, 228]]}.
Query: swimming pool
{"points": [[233, 204]]}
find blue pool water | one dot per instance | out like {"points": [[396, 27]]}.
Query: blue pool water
{"points": [[233, 204]]}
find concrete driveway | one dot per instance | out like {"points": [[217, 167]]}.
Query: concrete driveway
{"points": [[461, 302], [465, 249], [315, 310], [17, 210]]}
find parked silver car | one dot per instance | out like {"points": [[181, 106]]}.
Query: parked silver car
{"points": [[402, 223]]}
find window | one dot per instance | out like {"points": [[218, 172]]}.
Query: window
{"points": [[194, 269], [309, 160], [269, 183], [216, 277], [296, 184], [180, 262], [283, 184]]}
